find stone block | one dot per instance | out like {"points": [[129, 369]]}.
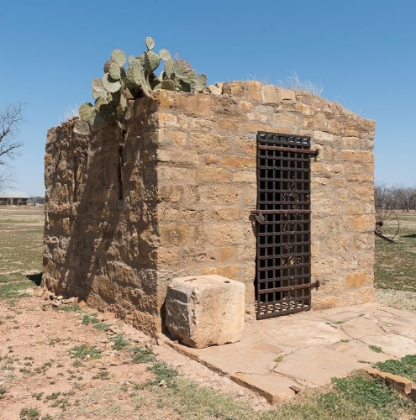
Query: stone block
{"points": [[203, 311], [199, 104], [238, 162], [254, 90], [269, 94], [212, 174], [228, 124], [357, 280]]}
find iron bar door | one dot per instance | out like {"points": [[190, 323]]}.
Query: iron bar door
{"points": [[283, 213]]}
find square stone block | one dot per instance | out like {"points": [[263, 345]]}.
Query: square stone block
{"points": [[203, 311]]}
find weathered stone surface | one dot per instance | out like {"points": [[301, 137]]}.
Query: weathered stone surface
{"points": [[181, 202], [202, 311]]}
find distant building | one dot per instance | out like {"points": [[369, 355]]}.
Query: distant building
{"points": [[16, 198]]}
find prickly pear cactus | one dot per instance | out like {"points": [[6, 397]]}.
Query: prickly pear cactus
{"points": [[118, 85]]}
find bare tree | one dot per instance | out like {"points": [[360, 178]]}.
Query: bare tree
{"points": [[11, 117], [405, 196], [382, 196]]}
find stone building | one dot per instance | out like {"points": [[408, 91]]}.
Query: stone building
{"points": [[195, 191]]}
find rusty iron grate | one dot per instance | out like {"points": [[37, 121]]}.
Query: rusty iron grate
{"points": [[283, 213]]}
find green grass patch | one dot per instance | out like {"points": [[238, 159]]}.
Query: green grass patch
{"points": [[405, 367], [376, 349], [89, 319], [101, 326], [84, 351], [68, 308], [395, 264], [143, 355], [29, 414], [11, 290], [119, 341]]}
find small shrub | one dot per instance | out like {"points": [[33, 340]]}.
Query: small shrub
{"points": [[104, 374], [89, 319], [119, 341], [29, 414], [376, 349], [84, 351], [68, 308], [143, 355]]}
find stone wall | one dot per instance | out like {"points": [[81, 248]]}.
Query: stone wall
{"points": [[179, 204]]}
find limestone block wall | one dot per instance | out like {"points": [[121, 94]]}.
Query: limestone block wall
{"points": [[179, 202]]}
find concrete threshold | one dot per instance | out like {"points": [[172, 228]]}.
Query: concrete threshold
{"points": [[280, 357]]}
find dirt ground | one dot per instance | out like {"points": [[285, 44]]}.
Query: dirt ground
{"points": [[62, 361], [39, 376]]}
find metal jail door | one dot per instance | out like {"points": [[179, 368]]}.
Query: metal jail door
{"points": [[283, 214]]}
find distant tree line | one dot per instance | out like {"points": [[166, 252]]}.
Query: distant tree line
{"points": [[397, 197]]}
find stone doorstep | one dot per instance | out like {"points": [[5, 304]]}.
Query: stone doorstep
{"points": [[398, 383], [274, 387]]}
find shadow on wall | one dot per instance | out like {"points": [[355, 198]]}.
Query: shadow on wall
{"points": [[100, 230]]}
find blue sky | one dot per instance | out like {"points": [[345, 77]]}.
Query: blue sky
{"points": [[362, 52]]}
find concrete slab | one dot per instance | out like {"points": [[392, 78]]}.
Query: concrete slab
{"points": [[316, 365], [359, 351], [273, 387], [302, 332], [342, 316], [361, 327], [229, 359], [309, 348], [392, 344]]}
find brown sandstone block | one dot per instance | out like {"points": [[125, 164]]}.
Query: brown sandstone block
{"points": [[356, 156], [212, 174], [226, 253], [235, 89], [285, 95], [210, 142], [305, 109], [178, 157], [269, 94], [357, 280], [168, 99], [202, 311], [199, 104], [254, 90], [360, 223], [226, 213], [286, 119], [167, 120], [210, 159], [238, 162], [247, 106], [228, 124], [170, 193], [244, 176], [174, 235]]}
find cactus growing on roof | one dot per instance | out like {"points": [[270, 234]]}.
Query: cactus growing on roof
{"points": [[118, 84]]}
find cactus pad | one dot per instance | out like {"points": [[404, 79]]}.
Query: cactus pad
{"points": [[201, 82], [86, 111], [150, 61], [168, 84], [169, 68], [164, 55], [114, 71], [150, 43], [119, 57], [97, 122], [97, 85], [110, 84], [184, 71]]}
